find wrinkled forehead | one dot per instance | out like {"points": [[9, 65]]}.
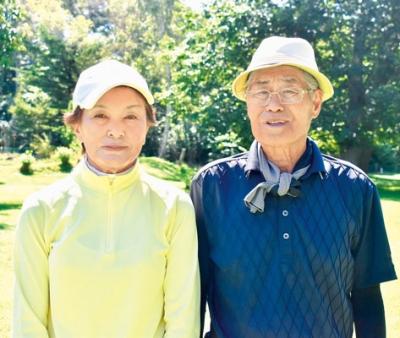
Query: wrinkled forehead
{"points": [[281, 74]]}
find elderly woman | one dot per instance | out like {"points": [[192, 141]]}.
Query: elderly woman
{"points": [[109, 251]]}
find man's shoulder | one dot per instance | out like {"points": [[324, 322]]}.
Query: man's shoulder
{"points": [[336, 162], [221, 165], [338, 167]]}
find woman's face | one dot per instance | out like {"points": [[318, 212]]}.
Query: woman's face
{"points": [[114, 130]]}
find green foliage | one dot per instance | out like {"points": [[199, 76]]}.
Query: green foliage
{"points": [[32, 115], [191, 58], [27, 159], [65, 156], [217, 48], [10, 44], [9, 38], [42, 146], [225, 145], [326, 141], [386, 157], [360, 54], [180, 175]]}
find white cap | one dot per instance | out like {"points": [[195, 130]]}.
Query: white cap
{"points": [[94, 81], [278, 51]]}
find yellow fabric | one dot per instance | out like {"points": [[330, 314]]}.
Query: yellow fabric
{"points": [[95, 259]]}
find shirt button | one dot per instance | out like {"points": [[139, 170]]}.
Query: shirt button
{"points": [[285, 213], [285, 235]]}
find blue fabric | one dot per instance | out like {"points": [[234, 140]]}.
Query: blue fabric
{"points": [[289, 271]]}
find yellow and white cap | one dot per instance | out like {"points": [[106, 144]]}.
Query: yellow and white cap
{"points": [[279, 51]]}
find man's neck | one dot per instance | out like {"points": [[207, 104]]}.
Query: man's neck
{"points": [[285, 158]]}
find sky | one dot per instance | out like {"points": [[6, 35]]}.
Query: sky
{"points": [[195, 4]]}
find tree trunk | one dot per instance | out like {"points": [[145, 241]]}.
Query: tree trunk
{"points": [[358, 155], [164, 140], [163, 145]]}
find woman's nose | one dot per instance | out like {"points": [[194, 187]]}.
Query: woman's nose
{"points": [[116, 131]]}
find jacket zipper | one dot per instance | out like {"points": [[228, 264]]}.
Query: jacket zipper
{"points": [[110, 212]]}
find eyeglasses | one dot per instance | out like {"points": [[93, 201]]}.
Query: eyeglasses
{"points": [[262, 97]]}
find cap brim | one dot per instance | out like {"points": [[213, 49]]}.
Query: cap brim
{"points": [[90, 100]]}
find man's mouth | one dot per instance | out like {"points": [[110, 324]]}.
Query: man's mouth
{"points": [[276, 123]]}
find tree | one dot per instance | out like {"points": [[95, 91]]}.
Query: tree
{"points": [[357, 47], [365, 58], [219, 46], [33, 115], [9, 39], [57, 48], [9, 43], [191, 58], [361, 59]]}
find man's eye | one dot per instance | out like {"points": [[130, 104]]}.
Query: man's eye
{"points": [[289, 91], [262, 93]]}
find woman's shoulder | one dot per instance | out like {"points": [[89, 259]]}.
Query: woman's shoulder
{"points": [[51, 193], [167, 191]]}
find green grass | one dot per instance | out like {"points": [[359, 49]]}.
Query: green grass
{"points": [[14, 187], [389, 186]]}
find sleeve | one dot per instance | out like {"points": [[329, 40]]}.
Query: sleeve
{"points": [[204, 250], [373, 261], [31, 286], [369, 312], [182, 284]]}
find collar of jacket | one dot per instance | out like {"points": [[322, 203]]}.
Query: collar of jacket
{"points": [[317, 162], [83, 175]]}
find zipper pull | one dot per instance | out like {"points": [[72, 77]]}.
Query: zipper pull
{"points": [[111, 179]]}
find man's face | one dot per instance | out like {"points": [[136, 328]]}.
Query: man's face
{"points": [[277, 125], [114, 130]]}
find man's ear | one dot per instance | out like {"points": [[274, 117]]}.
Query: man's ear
{"points": [[317, 103]]}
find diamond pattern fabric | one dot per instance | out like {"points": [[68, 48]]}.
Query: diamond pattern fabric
{"points": [[288, 271]]}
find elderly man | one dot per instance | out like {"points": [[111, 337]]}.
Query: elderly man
{"points": [[292, 242]]}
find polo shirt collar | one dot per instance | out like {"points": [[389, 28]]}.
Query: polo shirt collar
{"points": [[317, 162]]}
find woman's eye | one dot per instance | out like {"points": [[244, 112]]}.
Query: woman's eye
{"points": [[99, 116], [130, 117]]}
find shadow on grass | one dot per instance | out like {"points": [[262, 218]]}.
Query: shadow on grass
{"points": [[10, 206], [168, 171], [4, 227], [66, 167], [389, 195], [27, 173]]}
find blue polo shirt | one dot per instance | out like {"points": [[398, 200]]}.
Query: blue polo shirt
{"points": [[288, 271]]}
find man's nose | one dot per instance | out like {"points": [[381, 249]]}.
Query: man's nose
{"points": [[274, 103]]}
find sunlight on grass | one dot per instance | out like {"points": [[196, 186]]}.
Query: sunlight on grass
{"points": [[179, 175], [6, 281], [391, 290]]}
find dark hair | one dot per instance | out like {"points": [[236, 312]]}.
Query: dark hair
{"points": [[74, 117]]}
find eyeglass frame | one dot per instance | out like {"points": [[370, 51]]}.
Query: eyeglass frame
{"points": [[301, 90]]}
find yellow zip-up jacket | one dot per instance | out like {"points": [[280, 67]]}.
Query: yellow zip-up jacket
{"points": [[100, 257]]}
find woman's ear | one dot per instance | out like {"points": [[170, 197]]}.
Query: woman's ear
{"points": [[77, 131]]}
